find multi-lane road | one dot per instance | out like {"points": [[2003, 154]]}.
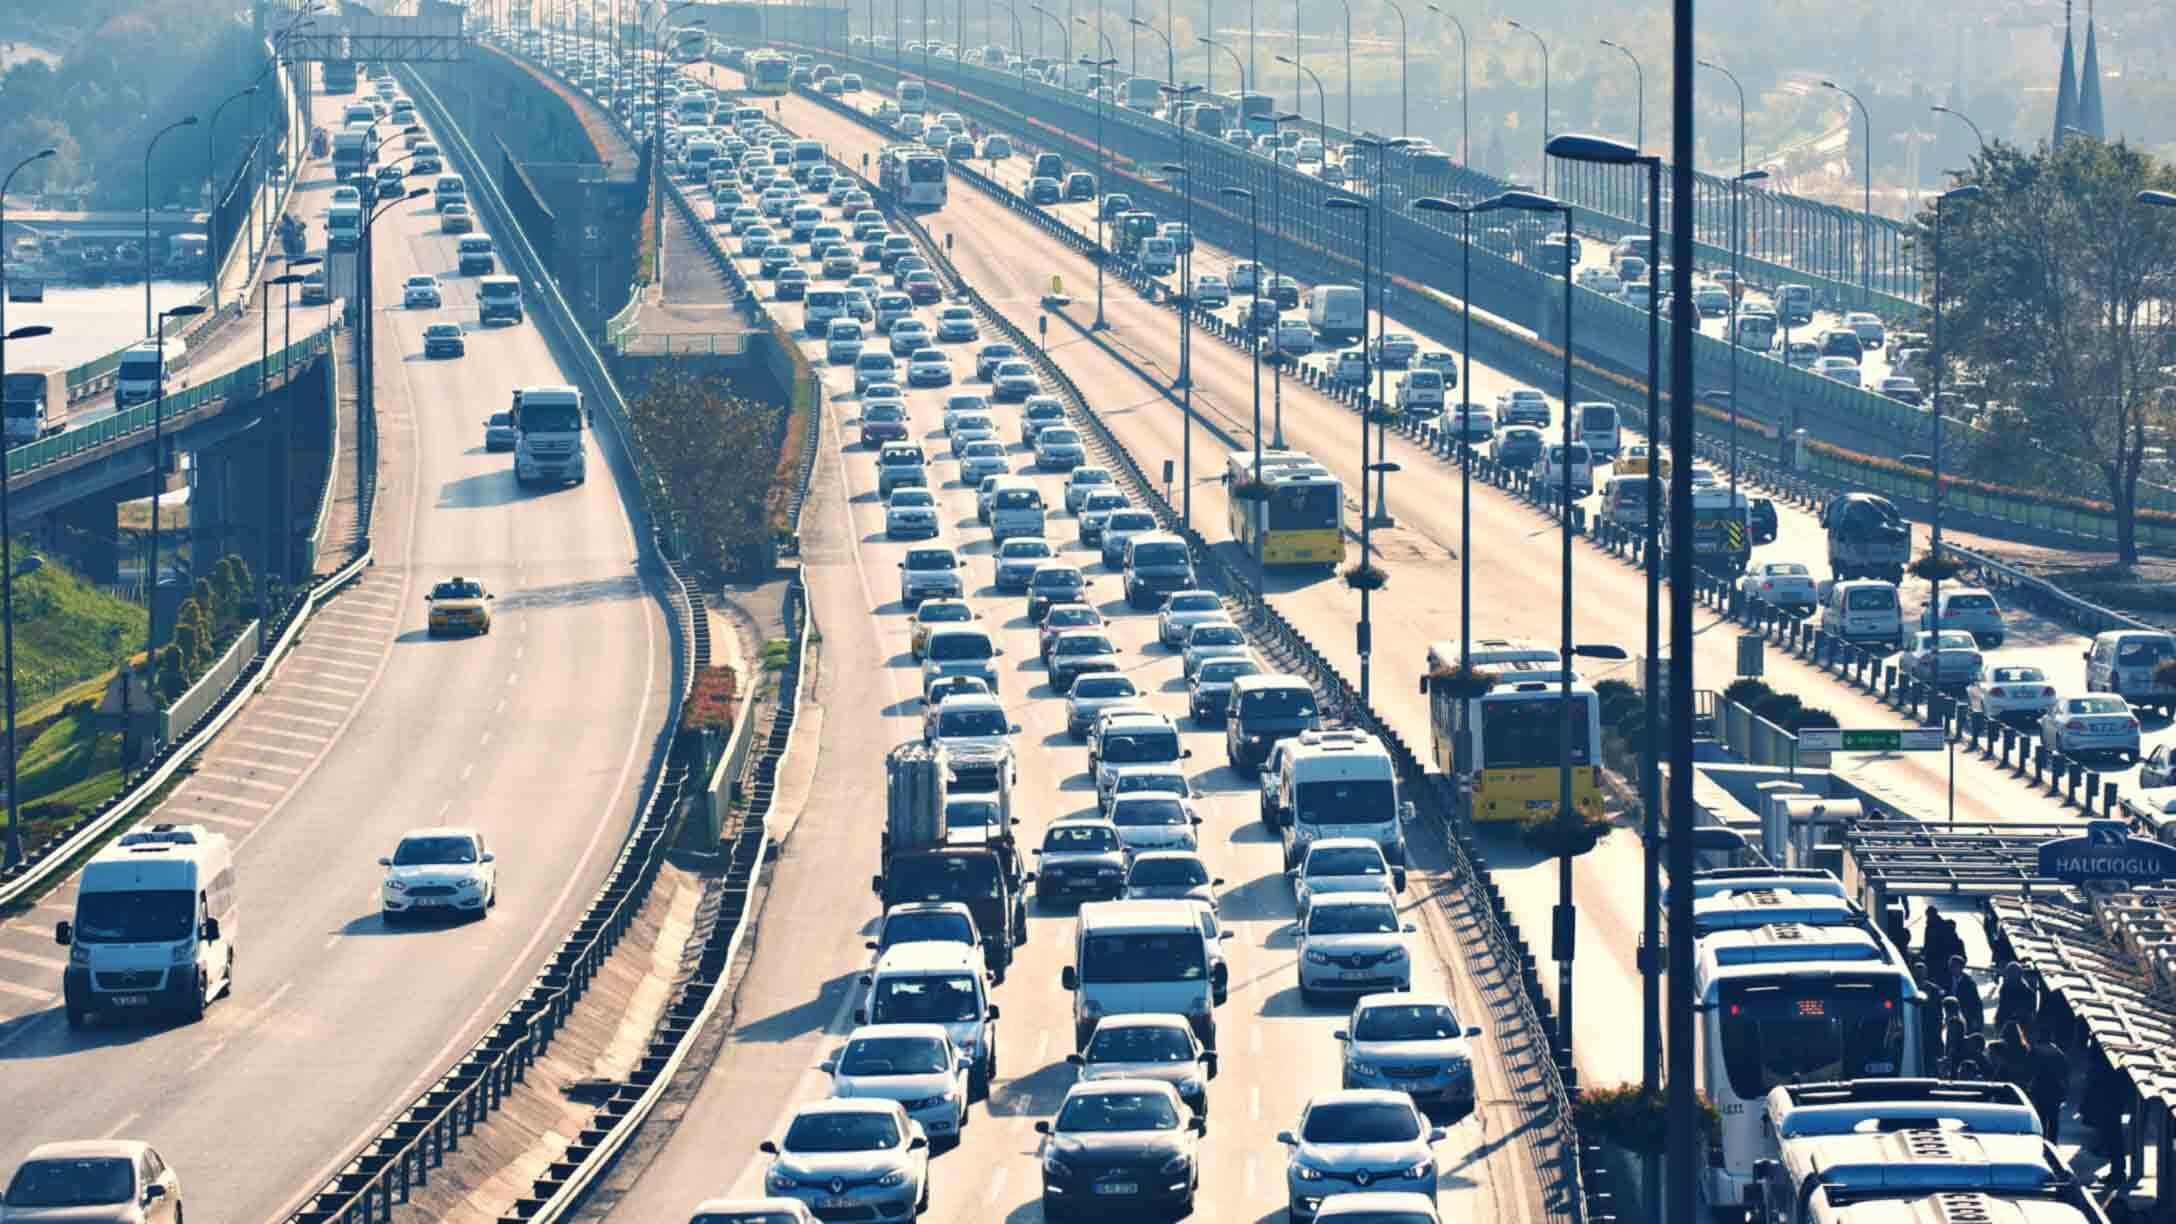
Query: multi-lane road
{"points": [[795, 1004], [538, 734]]}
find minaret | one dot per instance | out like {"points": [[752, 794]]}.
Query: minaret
{"points": [[2089, 109], [2066, 90]]}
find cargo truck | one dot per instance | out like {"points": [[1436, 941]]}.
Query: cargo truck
{"points": [[1867, 538], [919, 863], [37, 403]]}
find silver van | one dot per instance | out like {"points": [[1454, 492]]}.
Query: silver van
{"points": [[1016, 509], [1862, 611], [2128, 663], [1140, 956]]}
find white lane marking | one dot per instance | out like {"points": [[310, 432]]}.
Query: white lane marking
{"points": [[314, 648], [37, 962], [997, 1186], [213, 775], [307, 737], [467, 769], [308, 703], [253, 763], [324, 690], [122, 1125], [247, 743], [485, 739], [1042, 1048], [316, 661], [187, 816], [512, 676], [1254, 1102], [238, 801]]}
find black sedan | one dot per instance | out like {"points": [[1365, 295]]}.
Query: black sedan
{"points": [[1078, 651], [444, 340], [1120, 1141]]}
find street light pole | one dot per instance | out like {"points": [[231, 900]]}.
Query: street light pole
{"points": [[1322, 105], [1465, 137], [1958, 114], [1866, 218], [1639, 77], [1366, 633], [1405, 116], [1965, 194], [187, 121], [1737, 287], [1349, 129], [1185, 380], [211, 187], [1102, 66], [1530, 32], [1265, 278], [1254, 223], [1379, 151], [1462, 745], [158, 481]]}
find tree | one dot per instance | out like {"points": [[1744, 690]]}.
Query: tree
{"points": [[714, 453], [2046, 299]]}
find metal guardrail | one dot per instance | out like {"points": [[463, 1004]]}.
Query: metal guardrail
{"points": [[199, 696]]}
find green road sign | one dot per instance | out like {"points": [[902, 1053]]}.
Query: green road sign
{"points": [[1881, 739]]}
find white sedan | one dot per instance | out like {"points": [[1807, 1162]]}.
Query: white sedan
{"points": [[1183, 610], [2099, 725], [1786, 584], [438, 871], [421, 290], [2011, 694]]}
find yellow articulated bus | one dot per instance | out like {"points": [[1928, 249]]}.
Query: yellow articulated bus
{"points": [[1517, 729], [1300, 522]]}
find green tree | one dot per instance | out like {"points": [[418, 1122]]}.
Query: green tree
{"points": [[715, 454], [2047, 297]]}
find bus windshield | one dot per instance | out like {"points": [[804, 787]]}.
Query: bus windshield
{"points": [[1525, 732], [1795, 1029], [925, 169], [1304, 507]]}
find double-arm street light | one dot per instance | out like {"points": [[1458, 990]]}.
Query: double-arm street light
{"points": [[185, 121], [1539, 41], [1254, 224], [1465, 136], [1639, 87], [1602, 151], [1738, 184], [1265, 278], [1171, 59], [1365, 639], [1378, 152], [1967, 121], [1866, 218], [1405, 115]]}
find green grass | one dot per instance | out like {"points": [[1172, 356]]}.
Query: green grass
{"points": [[67, 632], [775, 652], [71, 765]]}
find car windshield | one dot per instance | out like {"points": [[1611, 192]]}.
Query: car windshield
{"points": [[1058, 437], [959, 647], [1164, 871], [927, 928], [1224, 671], [1290, 701], [1103, 501], [1084, 644], [917, 499], [931, 559], [943, 613], [1160, 552], [1871, 599], [457, 589], [1125, 746], [842, 1132], [2018, 675], [1072, 617], [1079, 839], [1779, 569], [970, 814], [1361, 1122], [1015, 550], [434, 851], [2098, 705], [1148, 813], [1406, 1022], [1117, 1111], [1141, 1043], [1144, 956], [1971, 603], [1122, 521], [1345, 861], [1057, 580], [1090, 476], [502, 420], [1104, 686], [2140, 651], [1216, 635], [82, 1182], [1352, 920], [894, 1056], [935, 999], [976, 721], [141, 916]]}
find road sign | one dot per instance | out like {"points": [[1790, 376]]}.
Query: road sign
{"points": [[2107, 854], [1878, 739]]}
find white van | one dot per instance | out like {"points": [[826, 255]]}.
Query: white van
{"points": [[1420, 393], [144, 366], [448, 189], [154, 926], [1337, 312], [1556, 458], [937, 983], [1863, 611], [1016, 509], [1624, 501], [1159, 256], [1131, 957], [1599, 427]]}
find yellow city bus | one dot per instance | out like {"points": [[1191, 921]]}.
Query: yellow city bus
{"points": [[1517, 729], [1300, 522]]}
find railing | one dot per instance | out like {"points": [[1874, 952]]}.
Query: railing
{"points": [[198, 697]]}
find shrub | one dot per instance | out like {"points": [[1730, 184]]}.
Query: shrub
{"points": [[1562, 833], [1247, 488], [713, 700], [1364, 577], [1936, 567], [1463, 681], [1812, 716], [1634, 1118], [1747, 692]]}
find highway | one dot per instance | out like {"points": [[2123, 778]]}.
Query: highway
{"points": [[1514, 571], [795, 1002], [538, 735]]}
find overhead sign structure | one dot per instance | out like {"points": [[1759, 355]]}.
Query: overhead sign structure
{"points": [[1878, 739], [2107, 854]]}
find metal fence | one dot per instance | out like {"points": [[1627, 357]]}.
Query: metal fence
{"points": [[209, 687]]}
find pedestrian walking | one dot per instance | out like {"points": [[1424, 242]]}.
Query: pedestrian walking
{"points": [[2106, 1099], [1953, 1034], [2049, 1069], [2016, 1002], [2010, 1056], [1966, 991]]}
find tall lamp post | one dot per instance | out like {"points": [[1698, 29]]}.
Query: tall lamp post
{"points": [[1866, 259], [1365, 634], [1639, 87], [1737, 290], [1265, 278], [1322, 105], [1534, 34], [1613, 153], [1347, 5], [1171, 59], [185, 121], [1379, 153], [1254, 225], [1405, 114], [1465, 136], [1185, 380], [1965, 194], [211, 186], [158, 482], [1102, 66], [7, 604], [1954, 113]]}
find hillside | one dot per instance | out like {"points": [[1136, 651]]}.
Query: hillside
{"points": [[67, 632]]}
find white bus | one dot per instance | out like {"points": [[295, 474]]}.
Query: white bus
{"points": [[914, 176], [1794, 983]]}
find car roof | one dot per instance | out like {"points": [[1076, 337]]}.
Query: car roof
{"points": [[442, 831], [929, 955], [856, 1105], [935, 1031], [79, 1149]]}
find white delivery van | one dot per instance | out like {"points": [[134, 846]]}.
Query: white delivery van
{"points": [[155, 925], [1131, 957], [1862, 611], [343, 227], [1016, 509], [925, 982], [1159, 256], [449, 188], [1556, 458], [1338, 313], [1420, 393], [1598, 426], [144, 367]]}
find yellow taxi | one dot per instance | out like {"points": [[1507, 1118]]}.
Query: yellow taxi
{"points": [[1633, 460], [459, 605]]}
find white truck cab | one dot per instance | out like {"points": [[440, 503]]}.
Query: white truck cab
{"points": [[155, 925], [548, 435], [1336, 783]]}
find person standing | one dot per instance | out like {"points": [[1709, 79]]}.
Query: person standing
{"points": [[2015, 1000], [1953, 1035], [2049, 1083], [1930, 1027], [1966, 991], [2011, 1057], [2106, 1099]]}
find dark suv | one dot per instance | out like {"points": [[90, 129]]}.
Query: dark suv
{"points": [[1262, 710]]}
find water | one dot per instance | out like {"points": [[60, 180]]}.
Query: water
{"points": [[89, 323]]}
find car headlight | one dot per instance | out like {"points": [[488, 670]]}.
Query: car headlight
{"points": [[79, 955], [1395, 954], [1176, 1165], [1306, 1172], [779, 1181], [1355, 1066], [472, 884], [1421, 1169], [897, 1177], [182, 954], [395, 886], [1054, 1167], [1190, 1086], [1318, 958]]}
